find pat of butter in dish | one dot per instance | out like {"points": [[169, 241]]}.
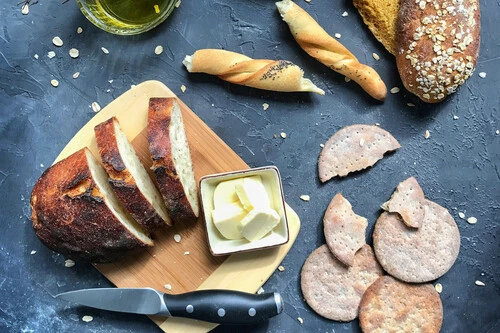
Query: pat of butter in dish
{"points": [[225, 192], [252, 193], [227, 219], [258, 223]]}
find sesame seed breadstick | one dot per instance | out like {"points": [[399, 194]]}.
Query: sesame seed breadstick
{"points": [[327, 50], [276, 75]]}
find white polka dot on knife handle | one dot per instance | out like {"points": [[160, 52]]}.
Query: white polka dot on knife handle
{"points": [[221, 312], [252, 312], [189, 308]]}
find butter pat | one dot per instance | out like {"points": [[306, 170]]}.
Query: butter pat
{"points": [[252, 193], [258, 223], [227, 219], [225, 193]]}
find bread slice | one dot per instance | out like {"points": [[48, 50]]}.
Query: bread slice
{"points": [[128, 177], [75, 212], [172, 163], [381, 16]]}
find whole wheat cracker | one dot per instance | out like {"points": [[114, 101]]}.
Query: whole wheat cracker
{"points": [[408, 202], [334, 290], [389, 305], [344, 230]]}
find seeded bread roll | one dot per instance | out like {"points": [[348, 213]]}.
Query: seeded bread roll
{"points": [[75, 212], [128, 177], [437, 45]]}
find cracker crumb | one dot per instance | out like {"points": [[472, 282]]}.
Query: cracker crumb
{"points": [[394, 90], [69, 263], [497, 132], [301, 321], [472, 220], [76, 75], [183, 88], [461, 215], [281, 268], [79, 30], [260, 291], [168, 286], [427, 134], [321, 145], [25, 9], [347, 79], [74, 53], [479, 283], [177, 4], [337, 35], [57, 41], [305, 197], [186, 253], [110, 81], [410, 104], [158, 50], [54, 83], [344, 14], [455, 117], [108, 90], [104, 50], [482, 75], [265, 106], [283, 135], [87, 318], [177, 238], [96, 107], [33, 252], [35, 56], [439, 287], [51, 54], [375, 56]]}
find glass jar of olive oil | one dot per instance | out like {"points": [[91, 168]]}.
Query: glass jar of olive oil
{"points": [[126, 17]]}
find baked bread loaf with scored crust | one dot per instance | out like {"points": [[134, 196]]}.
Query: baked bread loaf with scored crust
{"points": [[171, 156], [128, 177], [437, 45], [75, 212]]}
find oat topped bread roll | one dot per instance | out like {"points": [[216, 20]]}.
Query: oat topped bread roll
{"points": [[327, 50], [275, 75]]}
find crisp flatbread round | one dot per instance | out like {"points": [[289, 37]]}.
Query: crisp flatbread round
{"points": [[417, 255], [344, 230], [354, 148], [389, 305], [334, 290], [407, 201]]}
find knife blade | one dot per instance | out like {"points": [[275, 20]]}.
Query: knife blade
{"points": [[215, 306]]}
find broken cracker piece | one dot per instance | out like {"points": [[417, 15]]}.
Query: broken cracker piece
{"points": [[407, 201]]}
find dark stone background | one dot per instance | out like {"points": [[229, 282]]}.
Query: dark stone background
{"points": [[458, 166]]}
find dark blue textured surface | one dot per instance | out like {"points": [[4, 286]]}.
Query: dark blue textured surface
{"points": [[458, 166]]}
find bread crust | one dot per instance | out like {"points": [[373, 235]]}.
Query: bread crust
{"points": [[437, 49], [122, 181], [70, 216], [160, 148]]}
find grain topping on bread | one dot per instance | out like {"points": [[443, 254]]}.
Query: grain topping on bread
{"points": [[171, 156]]}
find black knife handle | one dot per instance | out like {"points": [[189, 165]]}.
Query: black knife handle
{"points": [[224, 306]]}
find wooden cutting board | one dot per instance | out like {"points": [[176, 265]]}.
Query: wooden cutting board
{"points": [[187, 265]]}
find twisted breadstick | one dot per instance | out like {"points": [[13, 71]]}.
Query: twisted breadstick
{"points": [[320, 45], [277, 75]]}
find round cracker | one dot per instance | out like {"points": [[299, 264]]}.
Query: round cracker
{"points": [[334, 290], [417, 255], [344, 230], [354, 148], [408, 202], [389, 305]]}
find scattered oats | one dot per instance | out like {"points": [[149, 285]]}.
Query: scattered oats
{"points": [[183, 88], [186, 253], [265, 106], [57, 41], [394, 90], [375, 56], [158, 50], [337, 35], [168, 286], [41, 165], [260, 291], [87, 318], [33, 252], [275, 136], [307, 0], [455, 117], [283, 135], [439, 287], [177, 238], [110, 81], [281, 268], [427, 134], [344, 14], [69, 263], [479, 283], [377, 124], [321, 145], [461, 215], [132, 86], [76, 75], [301, 321], [51, 54], [96, 107], [74, 53], [35, 56], [105, 50], [347, 79], [25, 9], [410, 104], [79, 30], [497, 132], [305, 197], [108, 90], [472, 220], [482, 75], [54, 83], [177, 4]]}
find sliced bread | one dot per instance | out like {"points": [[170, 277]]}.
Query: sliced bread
{"points": [[128, 177], [171, 156], [75, 212]]}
